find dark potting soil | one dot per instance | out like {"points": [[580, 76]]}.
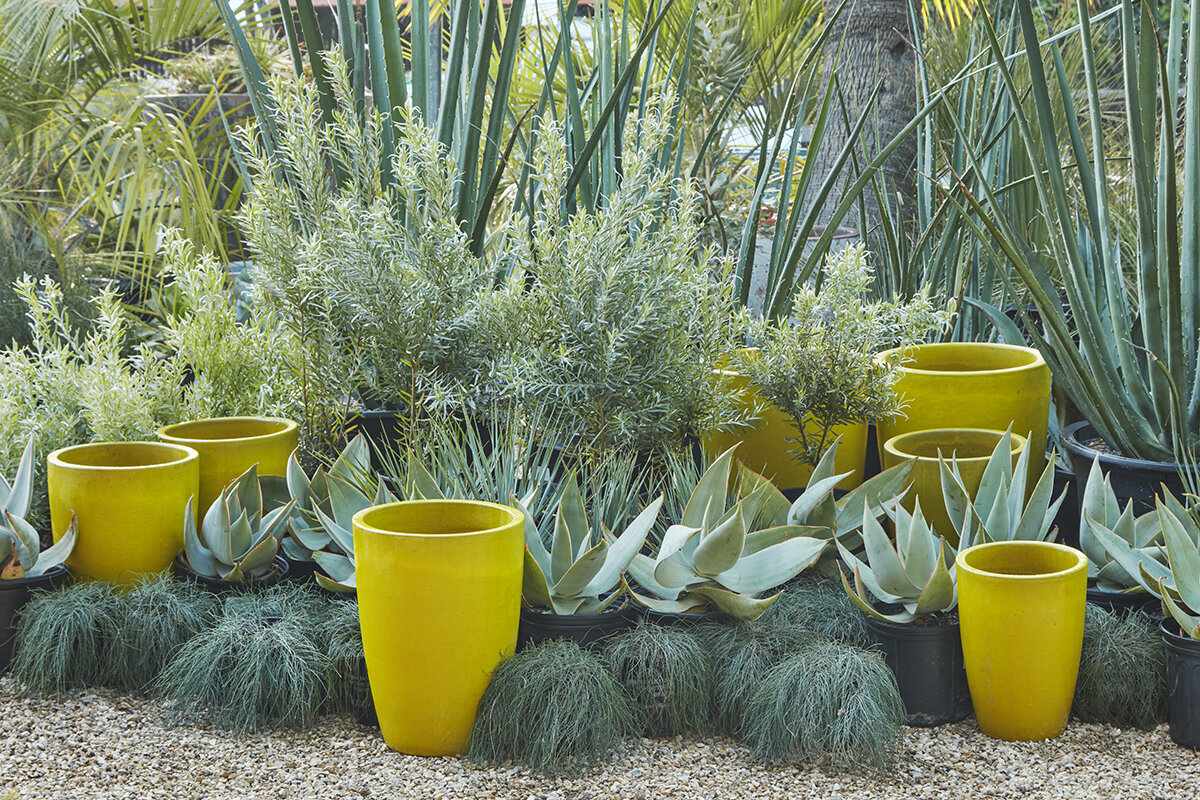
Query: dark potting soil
{"points": [[1101, 446]]}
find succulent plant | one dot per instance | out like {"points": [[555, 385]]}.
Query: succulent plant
{"points": [[336, 557], [305, 533], [910, 571], [1102, 518], [713, 557], [583, 571], [21, 554], [236, 540], [1180, 590], [999, 510]]}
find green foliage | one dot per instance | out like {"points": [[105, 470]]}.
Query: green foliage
{"points": [[742, 655], [151, 622], [62, 639], [830, 702], [615, 319], [818, 602], [668, 673], [342, 641], [21, 553], [260, 665], [822, 365], [554, 707], [236, 541], [1122, 671], [1100, 519]]}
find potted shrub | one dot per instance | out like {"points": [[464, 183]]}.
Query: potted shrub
{"points": [[576, 589], [24, 566], [1180, 593], [919, 633], [237, 544], [817, 374]]}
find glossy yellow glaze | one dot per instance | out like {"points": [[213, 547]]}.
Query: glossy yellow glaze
{"points": [[971, 447], [972, 385], [765, 446], [228, 446], [439, 597], [1021, 605], [129, 498]]}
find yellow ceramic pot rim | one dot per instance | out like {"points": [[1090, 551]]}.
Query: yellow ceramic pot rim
{"points": [[960, 562], [361, 519], [894, 444], [177, 431], [60, 457], [1036, 360]]}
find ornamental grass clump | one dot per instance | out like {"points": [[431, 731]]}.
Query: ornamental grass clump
{"points": [[818, 603], [152, 621], [342, 640], [260, 665], [554, 707], [62, 638], [741, 656], [828, 703], [1122, 671], [668, 673]]}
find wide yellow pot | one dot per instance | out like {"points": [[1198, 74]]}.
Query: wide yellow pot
{"points": [[970, 447], [228, 446], [439, 599], [1020, 608], [972, 385], [766, 447], [129, 498]]}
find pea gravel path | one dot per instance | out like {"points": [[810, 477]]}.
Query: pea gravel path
{"points": [[107, 745]]}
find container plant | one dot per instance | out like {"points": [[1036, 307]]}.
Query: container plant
{"points": [[1180, 593], [24, 565], [576, 589], [906, 587], [237, 543]]}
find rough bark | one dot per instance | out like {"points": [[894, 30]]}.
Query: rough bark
{"points": [[870, 43]]}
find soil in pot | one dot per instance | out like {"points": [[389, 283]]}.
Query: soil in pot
{"points": [[926, 658], [14, 594], [1183, 685], [589, 631], [218, 586], [1132, 478]]}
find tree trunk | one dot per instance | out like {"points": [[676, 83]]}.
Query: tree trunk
{"points": [[870, 43]]}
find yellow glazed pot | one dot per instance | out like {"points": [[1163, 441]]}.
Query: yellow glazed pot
{"points": [[971, 385], [766, 448], [439, 599], [129, 498], [971, 447], [1020, 607], [228, 446]]}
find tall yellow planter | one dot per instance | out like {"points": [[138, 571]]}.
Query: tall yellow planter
{"points": [[971, 385], [970, 447], [228, 446], [766, 448], [439, 599], [1020, 607], [129, 498]]}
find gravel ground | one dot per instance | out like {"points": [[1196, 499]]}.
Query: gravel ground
{"points": [[107, 745]]}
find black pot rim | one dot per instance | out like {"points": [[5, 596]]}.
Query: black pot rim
{"points": [[1073, 434], [541, 613], [1184, 645], [57, 571], [926, 630]]}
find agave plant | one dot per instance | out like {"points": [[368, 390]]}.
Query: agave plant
{"points": [[336, 557], [1181, 591], [714, 558], [583, 571], [1148, 564], [911, 572], [21, 554], [1101, 519], [999, 511], [236, 541]]}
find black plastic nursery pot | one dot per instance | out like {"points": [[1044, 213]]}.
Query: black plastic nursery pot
{"points": [[362, 703], [685, 619], [1132, 478], [1183, 685], [589, 631], [383, 428], [1125, 602], [927, 661], [14, 594], [218, 586], [1067, 518]]}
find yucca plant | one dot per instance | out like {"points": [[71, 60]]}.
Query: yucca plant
{"points": [[1001, 509], [1124, 351]]}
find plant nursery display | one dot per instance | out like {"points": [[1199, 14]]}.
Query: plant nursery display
{"points": [[1021, 612]]}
